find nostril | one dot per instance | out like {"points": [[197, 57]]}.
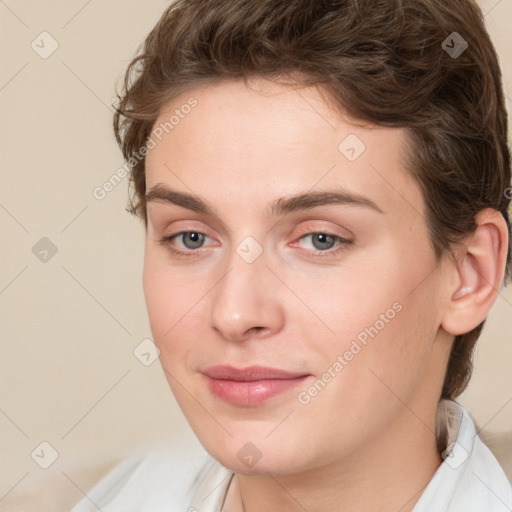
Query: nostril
{"points": [[254, 331]]}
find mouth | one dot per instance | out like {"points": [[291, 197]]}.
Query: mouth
{"points": [[252, 385]]}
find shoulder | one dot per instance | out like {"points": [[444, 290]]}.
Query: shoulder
{"points": [[162, 478], [470, 478], [483, 484]]}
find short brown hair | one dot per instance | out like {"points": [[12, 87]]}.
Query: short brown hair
{"points": [[387, 62]]}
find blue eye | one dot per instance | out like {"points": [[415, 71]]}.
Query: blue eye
{"points": [[322, 241], [194, 243], [191, 243], [192, 239], [325, 244]]}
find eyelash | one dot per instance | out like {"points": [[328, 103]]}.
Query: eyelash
{"points": [[166, 242], [343, 245]]}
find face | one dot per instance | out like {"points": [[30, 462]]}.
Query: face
{"points": [[289, 279]]}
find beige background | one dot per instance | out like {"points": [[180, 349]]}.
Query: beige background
{"points": [[68, 375]]}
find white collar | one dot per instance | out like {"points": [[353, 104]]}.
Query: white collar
{"points": [[469, 479]]}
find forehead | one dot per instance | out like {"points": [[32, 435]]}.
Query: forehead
{"points": [[265, 139]]}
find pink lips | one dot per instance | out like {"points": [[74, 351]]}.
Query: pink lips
{"points": [[252, 385]]}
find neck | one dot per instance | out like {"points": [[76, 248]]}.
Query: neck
{"points": [[389, 473]]}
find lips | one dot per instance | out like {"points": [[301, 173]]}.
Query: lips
{"points": [[252, 385]]}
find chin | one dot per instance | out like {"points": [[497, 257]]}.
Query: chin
{"points": [[255, 457], [261, 467]]}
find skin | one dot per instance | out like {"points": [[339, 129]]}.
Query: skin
{"points": [[366, 440]]}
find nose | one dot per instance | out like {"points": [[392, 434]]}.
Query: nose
{"points": [[246, 301]]}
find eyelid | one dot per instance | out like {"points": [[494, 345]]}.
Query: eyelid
{"points": [[165, 214], [181, 226], [342, 245], [312, 227], [170, 238], [307, 229], [324, 232]]}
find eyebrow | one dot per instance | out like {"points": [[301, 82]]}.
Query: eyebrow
{"points": [[280, 206]]}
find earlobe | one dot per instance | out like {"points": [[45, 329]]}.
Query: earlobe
{"points": [[480, 272]]}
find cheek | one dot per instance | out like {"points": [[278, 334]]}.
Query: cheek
{"points": [[377, 316], [348, 303], [372, 311], [171, 300], [370, 368]]}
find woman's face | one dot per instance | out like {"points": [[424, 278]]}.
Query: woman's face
{"points": [[297, 242]]}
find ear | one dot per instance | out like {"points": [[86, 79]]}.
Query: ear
{"points": [[480, 273]]}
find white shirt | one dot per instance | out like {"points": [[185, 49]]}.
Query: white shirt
{"points": [[470, 479]]}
